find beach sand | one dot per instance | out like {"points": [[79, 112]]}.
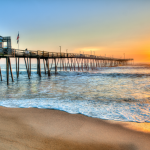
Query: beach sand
{"points": [[44, 129]]}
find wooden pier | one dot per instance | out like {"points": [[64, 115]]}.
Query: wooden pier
{"points": [[65, 61]]}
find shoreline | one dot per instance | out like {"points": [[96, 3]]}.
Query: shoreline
{"points": [[33, 128], [136, 126]]}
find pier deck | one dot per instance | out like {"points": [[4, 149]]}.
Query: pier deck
{"points": [[71, 61]]}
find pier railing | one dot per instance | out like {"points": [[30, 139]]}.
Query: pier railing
{"points": [[29, 53]]}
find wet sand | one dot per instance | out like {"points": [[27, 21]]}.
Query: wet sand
{"points": [[43, 129]]}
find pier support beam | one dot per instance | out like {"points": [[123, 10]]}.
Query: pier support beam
{"points": [[17, 68], [7, 70], [60, 63], [55, 66], [0, 73], [8, 64], [44, 65], [63, 63], [47, 64], [11, 70], [27, 66], [30, 66], [38, 67]]}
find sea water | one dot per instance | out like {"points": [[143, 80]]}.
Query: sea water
{"points": [[115, 93]]}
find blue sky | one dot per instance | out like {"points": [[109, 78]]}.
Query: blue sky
{"points": [[110, 26]]}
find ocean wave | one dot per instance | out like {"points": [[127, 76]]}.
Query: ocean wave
{"points": [[98, 109], [127, 75]]}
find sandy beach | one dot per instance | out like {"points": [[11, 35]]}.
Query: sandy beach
{"points": [[43, 129]]}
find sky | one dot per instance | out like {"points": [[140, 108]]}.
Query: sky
{"points": [[101, 27]]}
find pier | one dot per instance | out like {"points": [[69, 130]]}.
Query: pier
{"points": [[63, 61]]}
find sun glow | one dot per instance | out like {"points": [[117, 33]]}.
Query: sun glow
{"points": [[89, 50]]}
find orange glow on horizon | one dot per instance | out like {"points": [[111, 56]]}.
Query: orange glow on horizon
{"points": [[139, 50]]}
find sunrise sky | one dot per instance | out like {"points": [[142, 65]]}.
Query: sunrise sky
{"points": [[111, 27]]}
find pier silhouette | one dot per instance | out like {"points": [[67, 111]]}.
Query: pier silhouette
{"points": [[63, 61]]}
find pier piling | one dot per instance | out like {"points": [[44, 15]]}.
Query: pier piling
{"points": [[0, 73], [11, 70], [7, 70]]}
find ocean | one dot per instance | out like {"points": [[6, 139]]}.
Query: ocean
{"points": [[115, 93]]}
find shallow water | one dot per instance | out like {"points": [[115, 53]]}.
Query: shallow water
{"points": [[116, 93]]}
